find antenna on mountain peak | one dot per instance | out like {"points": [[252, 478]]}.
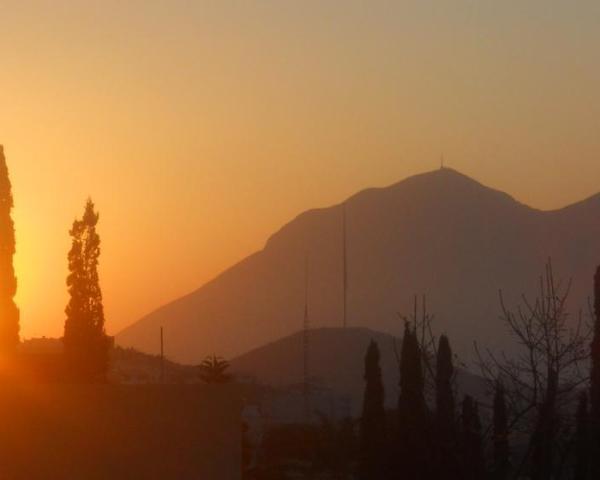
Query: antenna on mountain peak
{"points": [[442, 162]]}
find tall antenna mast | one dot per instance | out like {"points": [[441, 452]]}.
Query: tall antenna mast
{"points": [[345, 269], [305, 347], [162, 356]]}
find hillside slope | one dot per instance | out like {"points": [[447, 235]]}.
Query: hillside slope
{"points": [[439, 233], [336, 364]]}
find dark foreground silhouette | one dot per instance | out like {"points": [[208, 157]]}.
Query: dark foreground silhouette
{"points": [[111, 432]]}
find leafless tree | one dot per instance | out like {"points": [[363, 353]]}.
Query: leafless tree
{"points": [[543, 376]]}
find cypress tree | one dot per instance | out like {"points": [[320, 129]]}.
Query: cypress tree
{"points": [[544, 434], [595, 380], [501, 446], [444, 420], [413, 422], [444, 399], [582, 440], [372, 422], [85, 341], [9, 313], [472, 441]]}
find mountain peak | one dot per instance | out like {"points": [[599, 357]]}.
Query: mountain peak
{"points": [[447, 175], [441, 188], [441, 233]]}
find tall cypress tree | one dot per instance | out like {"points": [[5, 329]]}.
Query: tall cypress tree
{"points": [[444, 399], [445, 422], [545, 431], [85, 341], [595, 381], [582, 441], [472, 441], [414, 454], [372, 422], [9, 313], [501, 446]]}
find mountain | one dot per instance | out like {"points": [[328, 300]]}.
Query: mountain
{"points": [[439, 233], [336, 364]]}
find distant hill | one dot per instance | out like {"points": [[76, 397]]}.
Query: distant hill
{"points": [[336, 364], [130, 366], [439, 233], [127, 365]]}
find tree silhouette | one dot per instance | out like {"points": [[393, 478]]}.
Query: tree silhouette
{"points": [[372, 422], [545, 433], [582, 440], [413, 416], [212, 370], [500, 431], [335, 448], [543, 379], [472, 441], [85, 341], [595, 380], [9, 313], [444, 419]]}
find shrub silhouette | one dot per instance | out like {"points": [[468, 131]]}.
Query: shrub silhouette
{"points": [[213, 370]]}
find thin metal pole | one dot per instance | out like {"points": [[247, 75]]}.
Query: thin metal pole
{"points": [[345, 271], [306, 347], [162, 356]]}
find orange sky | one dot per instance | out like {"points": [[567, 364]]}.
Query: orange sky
{"points": [[199, 128]]}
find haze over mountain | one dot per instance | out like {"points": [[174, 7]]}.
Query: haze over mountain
{"points": [[336, 364], [439, 233]]}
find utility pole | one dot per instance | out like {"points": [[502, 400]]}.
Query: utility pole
{"points": [[162, 356], [306, 348], [345, 268]]}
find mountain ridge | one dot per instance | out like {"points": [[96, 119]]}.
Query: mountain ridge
{"points": [[436, 230], [389, 189]]}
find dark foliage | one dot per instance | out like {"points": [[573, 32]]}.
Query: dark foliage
{"points": [[85, 341], [9, 313], [445, 413], [582, 441], [500, 431], [246, 451], [285, 444], [595, 380], [472, 441], [542, 442], [372, 422], [213, 370], [336, 450], [323, 450], [414, 448]]}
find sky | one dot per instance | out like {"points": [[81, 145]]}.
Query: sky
{"points": [[201, 127]]}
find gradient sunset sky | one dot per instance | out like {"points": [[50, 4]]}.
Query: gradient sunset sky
{"points": [[200, 127]]}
